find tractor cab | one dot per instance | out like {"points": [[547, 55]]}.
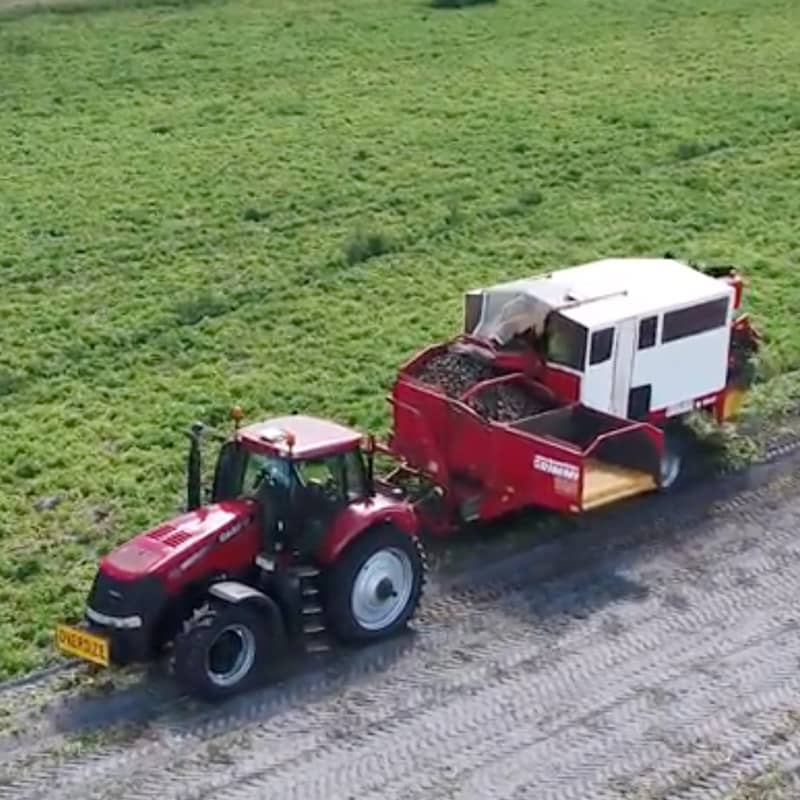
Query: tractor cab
{"points": [[301, 471]]}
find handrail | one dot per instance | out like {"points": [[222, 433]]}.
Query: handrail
{"points": [[476, 387], [509, 377]]}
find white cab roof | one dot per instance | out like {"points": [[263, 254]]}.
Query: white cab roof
{"points": [[613, 289], [595, 295]]}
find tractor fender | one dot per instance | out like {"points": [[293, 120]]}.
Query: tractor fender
{"points": [[358, 517], [235, 592]]}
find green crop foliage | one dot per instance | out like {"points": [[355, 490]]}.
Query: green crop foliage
{"points": [[275, 202]]}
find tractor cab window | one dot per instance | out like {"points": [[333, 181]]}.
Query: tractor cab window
{"points": [[341, 477], [260, 466], [229, 470], [565, 342], [323, 475], [240, 472], [355, 474]]}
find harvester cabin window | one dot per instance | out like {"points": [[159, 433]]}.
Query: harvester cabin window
{"points": [[602, 342], [694, 320], [566, 342], [647, 332]]}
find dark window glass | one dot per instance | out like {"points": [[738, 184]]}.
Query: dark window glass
{"points": [[695, 319], [601, 346], [647, 332], [355, 475], [566, 342], [639, 402]]}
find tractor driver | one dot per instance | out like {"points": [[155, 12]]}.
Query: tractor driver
{"points": [[296, 499], [320, 490], [275, 487]]}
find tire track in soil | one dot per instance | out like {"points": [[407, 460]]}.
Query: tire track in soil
{"points": [[733, 574], [626, 740], [484, 598], [368, 757], [489, 581], [461, 643]]}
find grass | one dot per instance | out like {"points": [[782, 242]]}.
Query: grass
{"points": [[773, 784], [274, 203]]}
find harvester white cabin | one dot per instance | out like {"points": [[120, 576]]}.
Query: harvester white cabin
{"points": [[643, 336]]}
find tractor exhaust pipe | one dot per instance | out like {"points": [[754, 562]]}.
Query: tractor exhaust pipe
{"points": [[194, 488]]}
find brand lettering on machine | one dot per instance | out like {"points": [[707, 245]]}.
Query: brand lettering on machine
{"points": [[560, 469], [233, 530]]}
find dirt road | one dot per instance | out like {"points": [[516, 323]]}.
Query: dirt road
{"points": [[650, 652]]}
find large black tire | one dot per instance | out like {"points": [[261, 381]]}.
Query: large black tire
{"points": [[373, 589], [679, 460], [222, 650]]}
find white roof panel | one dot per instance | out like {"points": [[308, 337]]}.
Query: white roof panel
{"points": [[634, 287], [594, 294]]}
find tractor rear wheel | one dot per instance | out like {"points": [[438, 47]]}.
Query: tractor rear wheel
{"points": [[374, 587], [222, 650]]}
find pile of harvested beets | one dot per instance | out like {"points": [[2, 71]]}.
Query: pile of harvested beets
{"points": [[455, 372]]}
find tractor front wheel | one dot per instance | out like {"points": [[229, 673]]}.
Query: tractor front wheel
{"points": [[375, 586], [222, 650]]}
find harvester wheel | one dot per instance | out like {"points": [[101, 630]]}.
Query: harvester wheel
{"points": [[672, 459], [222, 650], [375, 586]]}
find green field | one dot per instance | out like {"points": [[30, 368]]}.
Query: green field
{"points": [[274, 202]]}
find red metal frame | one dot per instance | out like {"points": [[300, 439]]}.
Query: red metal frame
{"points": [[490, 463]]}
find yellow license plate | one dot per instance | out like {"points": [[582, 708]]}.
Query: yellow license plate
{"points": [[89, 646]]}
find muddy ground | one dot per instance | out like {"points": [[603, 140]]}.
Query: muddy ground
{"points": [[651, 651]]}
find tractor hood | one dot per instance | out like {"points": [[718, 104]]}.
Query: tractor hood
{"points": [[174, 542]]}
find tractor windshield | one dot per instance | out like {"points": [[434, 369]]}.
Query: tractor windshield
{"points": [[240, 471], [565, 342]]}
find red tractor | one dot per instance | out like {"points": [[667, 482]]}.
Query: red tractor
{"points": [[294, 543]]}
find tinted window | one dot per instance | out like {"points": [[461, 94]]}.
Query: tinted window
{"points": [[601, 346], [322, 472], [695, 319], [355, 475], [566, 342], [647, 332], [228, 472], [639, 402]]}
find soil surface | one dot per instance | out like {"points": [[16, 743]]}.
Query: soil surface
{"points": [[647, 652]]}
